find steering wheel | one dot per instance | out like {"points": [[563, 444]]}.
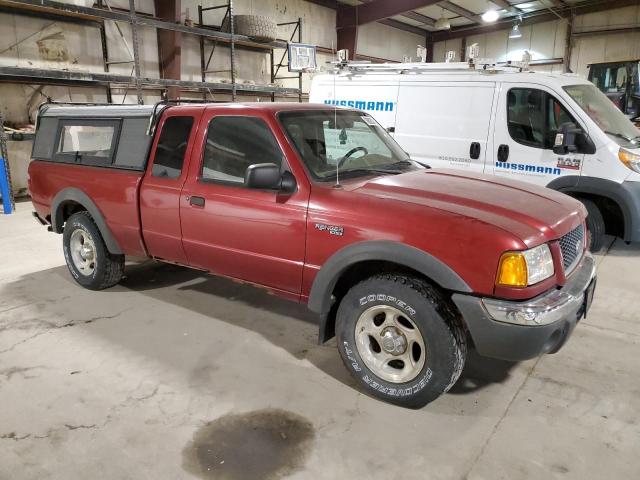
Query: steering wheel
{"points": [[347, 156]]}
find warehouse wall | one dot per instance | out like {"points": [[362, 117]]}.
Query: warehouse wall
{"points": [[542, 40], [382, 41], [606, 47], [547, 40]]}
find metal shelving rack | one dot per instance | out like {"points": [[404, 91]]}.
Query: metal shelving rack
{"points": [[205, 61], [96, 16]]}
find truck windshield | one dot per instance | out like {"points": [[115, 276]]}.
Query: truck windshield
{"points": [[602, 111], [345, 143]]}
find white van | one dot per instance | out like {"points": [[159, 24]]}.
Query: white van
{"points": [[505, 121]]}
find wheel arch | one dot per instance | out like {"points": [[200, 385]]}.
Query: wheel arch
{"points": [[355, 262], [621, 212], [71, 200]]}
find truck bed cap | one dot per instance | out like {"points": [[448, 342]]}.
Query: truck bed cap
{"points": [[102, 111]]}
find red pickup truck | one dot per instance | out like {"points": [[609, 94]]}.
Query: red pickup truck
{"points": [[406, 265]]}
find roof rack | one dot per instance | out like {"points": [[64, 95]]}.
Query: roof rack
{"points": [[484, 65]]}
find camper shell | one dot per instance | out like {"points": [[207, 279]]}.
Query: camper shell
{"points": [[125, 126]]}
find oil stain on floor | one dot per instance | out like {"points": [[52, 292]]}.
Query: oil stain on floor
{"points": [[263, 444]]}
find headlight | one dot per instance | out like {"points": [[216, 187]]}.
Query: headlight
{"points": [[521, 269], [631, 160]]}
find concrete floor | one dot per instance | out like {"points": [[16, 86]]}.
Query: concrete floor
{"points": [[174, 374]]}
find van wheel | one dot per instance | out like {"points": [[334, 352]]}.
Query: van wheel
{"points": [[595, 225], [86, 254], [400, 339]]}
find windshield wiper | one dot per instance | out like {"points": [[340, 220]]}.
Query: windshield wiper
{"points": [[362, 171], [619, 135]]}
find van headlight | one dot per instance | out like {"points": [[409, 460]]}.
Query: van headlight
{"points": [[521, 269], [631, 160]]}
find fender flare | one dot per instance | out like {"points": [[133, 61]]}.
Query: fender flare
{"points": [[399, 253], [620, 193], [78, 196]]}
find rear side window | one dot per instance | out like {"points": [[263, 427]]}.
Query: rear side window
{"points": [[172, 147], [233, 144], [90, 142]]}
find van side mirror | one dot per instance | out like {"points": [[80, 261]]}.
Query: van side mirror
{"points": [[267, 176], [566, 139], [571, 139]]}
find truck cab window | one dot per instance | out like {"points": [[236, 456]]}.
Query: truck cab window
{"points": [[534, 117], [233, 144], [172, 147]]}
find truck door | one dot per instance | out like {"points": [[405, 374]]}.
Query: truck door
{"points": [[249, 234], [527, 121], [445, 124], [162, 184]]}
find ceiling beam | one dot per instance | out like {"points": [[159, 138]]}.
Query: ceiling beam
{"points": [[539, 16], [463, 12], [403, 26], [335, 5], [377, 10], [418, 17], [506, 6]]}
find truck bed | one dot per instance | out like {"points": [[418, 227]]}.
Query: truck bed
{"points": [[114, 192]]}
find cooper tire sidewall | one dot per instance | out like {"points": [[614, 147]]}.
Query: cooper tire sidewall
{"points": [[435, 375]]}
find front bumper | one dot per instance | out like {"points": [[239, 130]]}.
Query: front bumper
{"points": [[522, 330]]}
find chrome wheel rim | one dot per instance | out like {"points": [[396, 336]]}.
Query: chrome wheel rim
{"points": [[83, 252], [390, 344]]}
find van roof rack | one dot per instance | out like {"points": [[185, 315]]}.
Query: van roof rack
{"points": [[481, 64]]}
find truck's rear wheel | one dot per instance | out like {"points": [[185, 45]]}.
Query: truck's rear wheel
{"points": [[595, 225], [399, 337], [86, 254]]}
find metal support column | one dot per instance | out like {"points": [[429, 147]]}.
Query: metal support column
{"points": [[568, 46], [299, 27], [233, 50], [105, 52], [273, 74], [136, 53], [201, 39]]}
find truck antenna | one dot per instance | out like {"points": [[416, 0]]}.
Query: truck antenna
{"points": [[335, 126]]}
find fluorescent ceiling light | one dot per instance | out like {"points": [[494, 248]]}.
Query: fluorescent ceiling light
{"points": [[515, 32], [490, 16]]}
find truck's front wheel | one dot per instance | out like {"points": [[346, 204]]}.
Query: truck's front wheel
{"points": [[86, 254], [399, 337]]}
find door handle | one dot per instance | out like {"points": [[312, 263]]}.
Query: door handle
{"points": [[474, 150], [196, 201], [503, 153]]}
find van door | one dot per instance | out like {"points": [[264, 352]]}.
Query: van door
{"points": [[445, 124], [527, 121]]}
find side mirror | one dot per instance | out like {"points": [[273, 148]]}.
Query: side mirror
{"points": [[566, 139], [267, 176]]}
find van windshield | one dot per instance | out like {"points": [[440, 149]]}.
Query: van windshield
{"points": [[602, 111], [344, 143]]}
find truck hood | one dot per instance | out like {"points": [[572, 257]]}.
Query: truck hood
{"points": [[534, 214]]}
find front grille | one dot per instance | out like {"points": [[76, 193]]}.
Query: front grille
{"points": [[571, 246]]}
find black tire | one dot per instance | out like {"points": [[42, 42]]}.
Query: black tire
{"points": [[257, 27], [595, 225], [427, 308], [107, 268]]}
